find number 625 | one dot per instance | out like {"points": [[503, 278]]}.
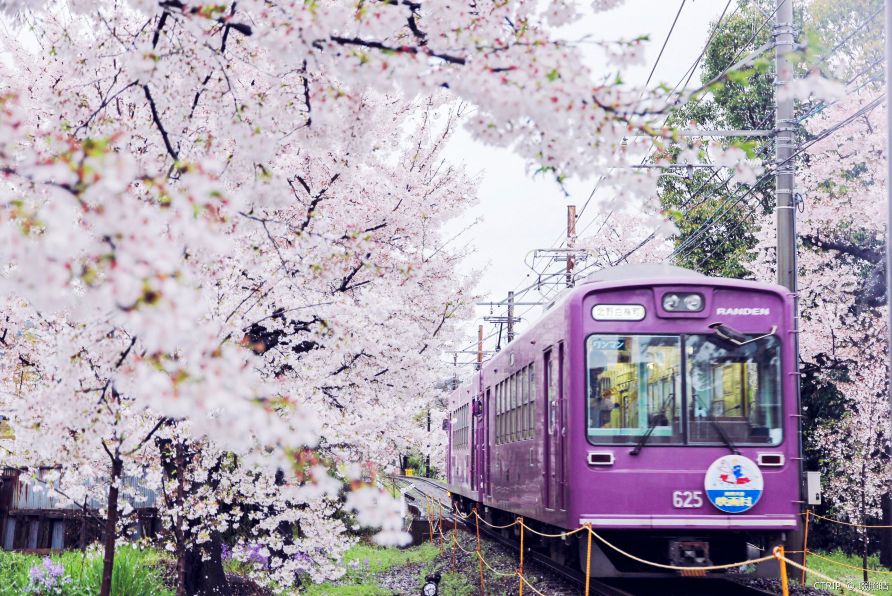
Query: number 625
{"points": [[687, 499]]}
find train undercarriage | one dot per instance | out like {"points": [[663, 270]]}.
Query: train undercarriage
{"points": [[678, 548]]}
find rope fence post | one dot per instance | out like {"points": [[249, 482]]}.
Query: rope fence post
{"points": [[588, 560], [479, 554], [782, 561], [430, 518], [805, 545], [520, 569], [440, 523], [454, 539]]}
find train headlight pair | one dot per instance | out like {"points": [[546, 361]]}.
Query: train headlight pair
{"points": [[683, 302]]}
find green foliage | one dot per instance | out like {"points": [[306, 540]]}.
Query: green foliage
{"points": [[364, 562], [742, 99], [329, 589], [455, 584], [829, 22], [136, 572], [839, 568], [376, 559]]}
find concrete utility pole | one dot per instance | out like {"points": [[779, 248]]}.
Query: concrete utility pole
{"points": [[479, 347], [784, 125], [510, 316], [886, 539], [571, 242], [785, 209]]}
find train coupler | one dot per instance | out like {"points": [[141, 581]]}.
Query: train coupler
{"points": [[689, 553]]}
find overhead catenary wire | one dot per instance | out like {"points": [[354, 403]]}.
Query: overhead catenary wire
{"points": [[549, 280], [691, 241]]}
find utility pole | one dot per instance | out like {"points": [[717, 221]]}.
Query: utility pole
{"points": [[784, 147], [427, 463], [785, 209], [886, 536], [479, 347], [571, 242], [510, 316]]}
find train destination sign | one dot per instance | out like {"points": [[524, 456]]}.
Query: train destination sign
{"points": [[733, 483], [618, 312]]}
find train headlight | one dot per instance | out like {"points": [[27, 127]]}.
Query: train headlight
{"points": [[683, 302], [671, 302], [693, 302]]}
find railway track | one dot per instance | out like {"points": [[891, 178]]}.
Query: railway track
{"points": [[680, 586]]}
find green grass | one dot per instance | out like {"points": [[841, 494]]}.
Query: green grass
{"points": [[376, 559], [456, 584], [364, 589], [835, 567], [135, 572], [364, 562]]}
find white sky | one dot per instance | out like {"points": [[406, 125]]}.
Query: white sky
{"points": [[518, 213]]}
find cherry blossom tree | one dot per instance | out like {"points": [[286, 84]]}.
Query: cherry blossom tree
{"points": [[221, 237], [842, 299]]}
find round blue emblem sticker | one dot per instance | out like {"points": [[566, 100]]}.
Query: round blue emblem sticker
{"points": [[734, 483]]}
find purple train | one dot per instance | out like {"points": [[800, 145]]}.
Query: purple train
{"points": [[656, 404]]}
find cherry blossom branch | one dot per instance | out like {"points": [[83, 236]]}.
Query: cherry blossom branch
{"points": [[157, 120]]}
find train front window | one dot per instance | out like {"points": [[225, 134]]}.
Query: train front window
{"points": [[733, 391], [633, 388]]}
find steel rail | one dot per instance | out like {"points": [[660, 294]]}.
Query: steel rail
{"points": [[727, 586]]}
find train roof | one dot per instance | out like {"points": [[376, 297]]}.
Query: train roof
{"points": [[641, 271]]}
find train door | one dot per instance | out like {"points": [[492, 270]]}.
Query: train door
{"points": [[487, 480], [549, 411], [479, 445], [472, 447], [561, 429]]}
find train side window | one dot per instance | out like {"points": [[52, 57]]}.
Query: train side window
{"points": [[551, 394], [527, 392], [515, 395], [504, 411], [520, 398], [531, 414], [521, 401], [498, 414], [501, 412], [518, 395]]}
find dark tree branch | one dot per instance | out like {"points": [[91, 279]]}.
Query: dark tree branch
{"points": [[345, 283], [125, 352], [158, 29], [157, 120], [865, 254], [377, 45]]}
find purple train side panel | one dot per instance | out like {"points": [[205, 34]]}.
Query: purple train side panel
{"points": [[648, 402]]}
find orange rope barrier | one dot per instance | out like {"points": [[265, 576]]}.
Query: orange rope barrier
{"points": [[520, 569], [782, 562], [805, 545], [588, 560], [479, 556], [841, 564], [430, 518], [824, 577], [454, 540], [843, 523]]}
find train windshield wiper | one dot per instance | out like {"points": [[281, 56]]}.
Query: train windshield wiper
{"points": [[719, 430], [653, 425]]}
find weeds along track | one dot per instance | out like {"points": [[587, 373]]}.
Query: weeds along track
{"points": [[432, 499]]}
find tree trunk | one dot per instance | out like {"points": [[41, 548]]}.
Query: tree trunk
{"points": [[206, 577], [886, 533], [111, 523], [864, 518], [180, 466]]}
